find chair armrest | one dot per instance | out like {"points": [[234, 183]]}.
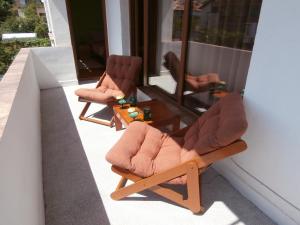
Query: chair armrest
{"points": [[221, 153], [100, 80]]}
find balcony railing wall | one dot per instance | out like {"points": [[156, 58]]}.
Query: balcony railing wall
{"points": [[21, 190]]}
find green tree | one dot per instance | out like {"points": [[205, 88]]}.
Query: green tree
{"points": [[5, 9], [31, 22], [10, 23]]}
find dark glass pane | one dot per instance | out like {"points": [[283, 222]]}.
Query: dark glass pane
{"points": [[167, 45], [221, 38]]}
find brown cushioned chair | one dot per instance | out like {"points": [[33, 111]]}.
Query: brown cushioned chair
{"points": [[150, 158], [195, 83], [118, 80]]}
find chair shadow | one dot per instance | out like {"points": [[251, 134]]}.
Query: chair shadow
{"points": [[214, 188], [70, 192], [104, 114]]}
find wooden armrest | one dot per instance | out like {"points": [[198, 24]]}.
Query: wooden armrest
{"points": [[222, 153], [100, 80]]}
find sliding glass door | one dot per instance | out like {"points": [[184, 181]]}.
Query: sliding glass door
{"points": [[199, 47], [221, 37], [165, 47]]}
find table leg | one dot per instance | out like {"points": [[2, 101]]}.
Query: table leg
{"points": [[118, 123]]}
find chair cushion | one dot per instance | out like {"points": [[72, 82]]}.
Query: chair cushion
{"points": [[222, 124], [137, 149], [121, 73], [202, 82], [99, 95]]}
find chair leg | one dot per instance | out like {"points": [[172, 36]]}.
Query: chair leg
{"points": [[85, 109], [98, 121], [192, 202], [193, 189], [122, 183]]}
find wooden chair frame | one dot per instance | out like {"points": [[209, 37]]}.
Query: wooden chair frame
{"points": [[82, 116], [192, 169]]}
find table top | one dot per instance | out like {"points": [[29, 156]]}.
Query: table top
{"points": [[159, 111]]}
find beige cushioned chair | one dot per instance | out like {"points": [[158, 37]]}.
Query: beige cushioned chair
{"points": [[118, 80], [150, 157]]}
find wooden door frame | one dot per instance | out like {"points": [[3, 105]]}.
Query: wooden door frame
{"points": [[184, 50], [72, 33], [146, 44]]}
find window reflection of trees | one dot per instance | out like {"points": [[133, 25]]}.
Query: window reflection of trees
{"points": [[230, 23]]}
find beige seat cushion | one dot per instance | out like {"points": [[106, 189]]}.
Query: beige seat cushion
{"points": [[99, 95]]}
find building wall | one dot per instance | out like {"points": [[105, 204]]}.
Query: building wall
{"points": [[117, 17], [267, 173], [56, 11], [21, 190]]}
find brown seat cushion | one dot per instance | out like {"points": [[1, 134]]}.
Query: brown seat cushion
{"points": [[121, 72], [202, 82], [145, 150]]}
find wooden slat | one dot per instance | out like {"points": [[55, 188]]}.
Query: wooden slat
{"points": [[209, 158], [191, 168]]}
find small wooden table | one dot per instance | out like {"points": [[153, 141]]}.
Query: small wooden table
{"points": [[161, 115]]}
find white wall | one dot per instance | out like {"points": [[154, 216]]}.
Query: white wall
{"points": [[59, 21], [21, 191], [54, 66], [268, 172], [117, 17], [124, 5]]}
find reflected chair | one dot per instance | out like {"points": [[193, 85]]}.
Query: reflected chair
{"points": [[195, 83], [118, 80], [151, 158]]}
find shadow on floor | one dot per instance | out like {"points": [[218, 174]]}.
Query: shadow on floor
{"points": [[70, 192], [215, 189], [105, 113]]}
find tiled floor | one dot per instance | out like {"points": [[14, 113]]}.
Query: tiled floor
{"points": [[78, 181]]}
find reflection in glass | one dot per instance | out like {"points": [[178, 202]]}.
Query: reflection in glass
{"points": [[167, 45], [220, 45]]}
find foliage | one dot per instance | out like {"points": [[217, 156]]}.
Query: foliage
{"points": [[5, 9], [10, 23], [9, 49], [30, 23]]}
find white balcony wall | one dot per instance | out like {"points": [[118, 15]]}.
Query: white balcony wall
{"points": [[268, 172], [21, 191], [55, 66]]}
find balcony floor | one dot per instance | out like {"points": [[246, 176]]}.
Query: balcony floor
{"points": [[78, 181]]}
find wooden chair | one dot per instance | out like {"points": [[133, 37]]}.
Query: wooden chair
{"points": [[118, 80], [151, 158]]}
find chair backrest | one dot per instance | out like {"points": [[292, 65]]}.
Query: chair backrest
{"points": [[224, 123], [121, 73], [172, 63]]}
